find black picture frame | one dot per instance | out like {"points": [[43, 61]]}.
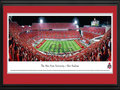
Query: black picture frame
{"points": [[59, 3]]}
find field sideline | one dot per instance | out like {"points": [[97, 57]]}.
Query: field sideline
{"points": [[58, 46]]}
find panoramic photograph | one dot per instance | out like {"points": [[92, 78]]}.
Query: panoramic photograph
{"points": [[60, 38]]}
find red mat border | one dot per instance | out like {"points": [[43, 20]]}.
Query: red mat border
{"points": [[59, 78]]}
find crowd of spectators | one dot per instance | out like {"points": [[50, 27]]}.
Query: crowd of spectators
{"points": [[20, 50], [99, 51]]}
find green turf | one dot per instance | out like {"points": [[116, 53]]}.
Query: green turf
{"points": [[53, 46]]}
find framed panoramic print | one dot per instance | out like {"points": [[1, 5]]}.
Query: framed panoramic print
{"points": [[57, 43]]}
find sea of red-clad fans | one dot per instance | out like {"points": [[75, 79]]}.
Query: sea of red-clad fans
{"points": [[97, 30], [89, 35], [91, 32], [46, 26], [99, 51], [50, 34], [20, 49]]}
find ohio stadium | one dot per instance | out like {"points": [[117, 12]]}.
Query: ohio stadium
{"points": [[59, 40]]}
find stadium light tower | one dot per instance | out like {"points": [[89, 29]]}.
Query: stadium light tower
{"points": [[75, 22], [41, 20]]}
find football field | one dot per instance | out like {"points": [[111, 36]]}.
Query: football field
{"points": [[58, 46]]}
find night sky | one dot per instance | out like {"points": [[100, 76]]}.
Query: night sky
{"points": [[83, 20]]}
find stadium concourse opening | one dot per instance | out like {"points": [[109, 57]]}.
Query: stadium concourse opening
{"points": [[60, 38]]}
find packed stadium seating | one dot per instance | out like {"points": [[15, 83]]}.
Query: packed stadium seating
{"points": [[21, 49], [97, 30], [89, 35], [99, 50], [47, 26], [51, 34], [91, 32]]}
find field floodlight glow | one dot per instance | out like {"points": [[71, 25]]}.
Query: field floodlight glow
{"points": [[41, 20], [75, 22], [23, 26]]}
